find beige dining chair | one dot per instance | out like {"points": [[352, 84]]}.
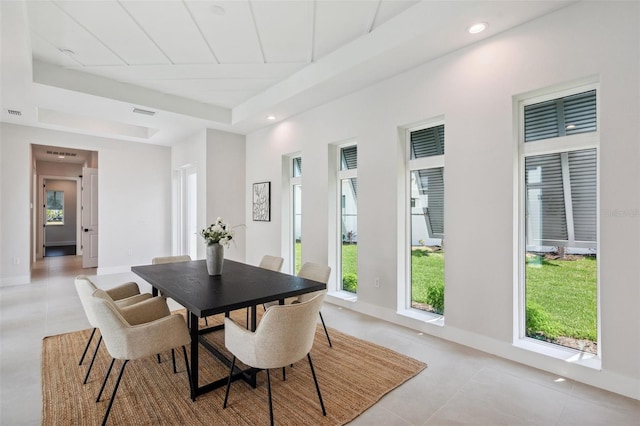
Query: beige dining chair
{"points": [[137, 334], [170, 259], [272, 263], [315, 272], [284, 335], [123, 295]]}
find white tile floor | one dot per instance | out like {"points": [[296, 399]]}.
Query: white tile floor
{"points": [[460, 386]]}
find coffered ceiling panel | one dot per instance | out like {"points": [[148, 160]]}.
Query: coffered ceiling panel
{"points": [[53, 26], [229, 28], [130, 43], [171, 26], [224, 64], [285, 29]]}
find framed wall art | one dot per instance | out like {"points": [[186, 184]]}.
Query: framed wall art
{"points": [[262, 201]]}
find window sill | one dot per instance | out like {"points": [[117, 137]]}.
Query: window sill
{"points": [[427, 317], [573, 356], [344, 295]]}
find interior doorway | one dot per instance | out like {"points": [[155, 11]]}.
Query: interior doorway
{"points": [[57, 194], [61, 209]]}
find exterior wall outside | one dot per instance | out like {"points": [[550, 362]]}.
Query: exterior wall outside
{"points": [[474, 89]]}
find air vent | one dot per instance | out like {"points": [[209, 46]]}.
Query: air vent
{"points": [[144, 112], [14, 112], [62, 153]]}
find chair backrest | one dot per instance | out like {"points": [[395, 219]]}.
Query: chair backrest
{"points": [[170, 259], [315, 272], [285, 333], [85, 289], [111, 323], [273, 263]]}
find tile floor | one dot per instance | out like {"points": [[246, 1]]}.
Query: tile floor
{"points": [[460, 386]]}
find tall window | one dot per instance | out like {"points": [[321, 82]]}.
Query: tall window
{"points": [[185, 202], [559, 149], [426, 204], [296, 203], [348, 192], [55, 207]]}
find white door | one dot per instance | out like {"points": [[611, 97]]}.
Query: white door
{"points": [[89, 217]]}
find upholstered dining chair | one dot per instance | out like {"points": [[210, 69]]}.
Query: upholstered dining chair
{"points": [[130, 336], [124, 295], [284, 335], [315, 272], [170, 259], [272, 263]]}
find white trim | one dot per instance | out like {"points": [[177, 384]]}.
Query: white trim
{"points": [[12, 281], [562, 145]]}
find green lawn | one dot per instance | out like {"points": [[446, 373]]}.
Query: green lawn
{"points": [[561, 294], [565, 291]]}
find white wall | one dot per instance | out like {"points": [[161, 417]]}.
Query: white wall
{"points": [[192, 152], [474, 89], [226, 186], [134, 199]]}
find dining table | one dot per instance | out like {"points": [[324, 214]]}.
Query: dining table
{"points": [[239, 286]]}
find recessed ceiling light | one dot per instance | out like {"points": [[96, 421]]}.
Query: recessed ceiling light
{"points": [[271, 117], [477, 28], [218, 10], [67, 52]]}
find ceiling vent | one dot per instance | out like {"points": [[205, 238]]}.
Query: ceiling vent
{"points": [[62, 153], [14, 112], [144, 111]]}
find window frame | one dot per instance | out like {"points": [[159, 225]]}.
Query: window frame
{"points": [[47, 207], [411, 165], [293, 182], [340, 176], [556, 145]]}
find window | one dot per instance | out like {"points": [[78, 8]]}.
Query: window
{"points": [[426, 207], [296, 214], [559, 150], [55, 207], [185, 206], [348, 218]]}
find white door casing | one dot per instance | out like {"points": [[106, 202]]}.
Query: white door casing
{"points": [[89, 217]]}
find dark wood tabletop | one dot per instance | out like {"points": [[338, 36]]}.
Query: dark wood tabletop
{"points": [[239, 286]]}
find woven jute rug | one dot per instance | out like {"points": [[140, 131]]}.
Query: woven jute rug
{"points": [[353, 375]]}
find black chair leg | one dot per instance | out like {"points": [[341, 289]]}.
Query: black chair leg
{"points": [[284, 373], [315, 380], [269, 394], [106, 376], [113, 395], [325, 330], [86, 377], [159, 360], [186, 363], [173, 358], [87, 347], [226, 394]]}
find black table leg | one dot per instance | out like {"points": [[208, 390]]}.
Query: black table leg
{"points": [[154, 291], [193, 319]]}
